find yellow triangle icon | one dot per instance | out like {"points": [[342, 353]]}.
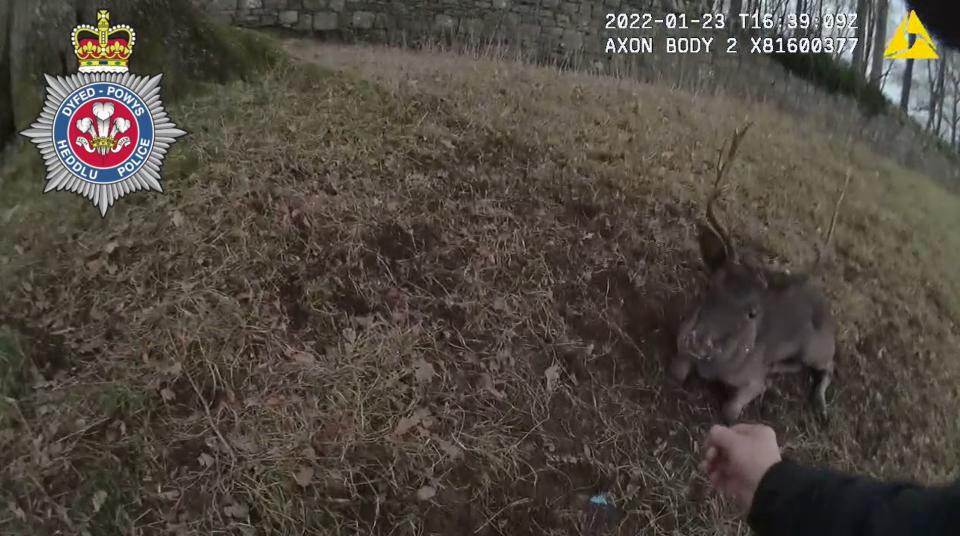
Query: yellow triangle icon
{"points": [[899, 46]]}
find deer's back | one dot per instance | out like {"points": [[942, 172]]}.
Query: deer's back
{"points": [[793, 315]]}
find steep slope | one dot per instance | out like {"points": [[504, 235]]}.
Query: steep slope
{"points": [[427, 292]]}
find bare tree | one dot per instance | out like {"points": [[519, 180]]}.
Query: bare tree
{"points": [[879, 41], [954, 71], [736, 6], [936, 82], [859, 56], [941, 79], [907, 79], [868, 25], [932, 95], [886, 75]]}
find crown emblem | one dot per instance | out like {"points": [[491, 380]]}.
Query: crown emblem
{"points": [[104, 49]]}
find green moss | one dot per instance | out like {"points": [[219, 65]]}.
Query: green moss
{"points": [[218, 55]]}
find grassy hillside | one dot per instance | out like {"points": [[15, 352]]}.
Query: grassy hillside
{"points": [[412, 293]]}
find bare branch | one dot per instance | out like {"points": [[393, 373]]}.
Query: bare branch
{"points": [[833, 223]]}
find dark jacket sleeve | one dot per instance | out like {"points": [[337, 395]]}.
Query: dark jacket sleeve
{"points": [[793, 500]]}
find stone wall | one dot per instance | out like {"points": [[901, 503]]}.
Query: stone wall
{"points": [[547, 27]]}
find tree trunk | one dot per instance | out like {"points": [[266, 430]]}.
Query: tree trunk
{"points": [[907, 80], [820, 18], [879, 42], [6, 112], [868, 25], [932, 104], [38, 42], [173, 38], [953, 128], [955, 97], [735, 7], [941, 79], [859, 56]]}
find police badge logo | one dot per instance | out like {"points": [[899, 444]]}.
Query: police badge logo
{"points": [[103, 132]]}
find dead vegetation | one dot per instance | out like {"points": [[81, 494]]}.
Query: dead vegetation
{"points": [[433, 295]]}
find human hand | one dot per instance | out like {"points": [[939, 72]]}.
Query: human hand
{"points": [[737, 458]]}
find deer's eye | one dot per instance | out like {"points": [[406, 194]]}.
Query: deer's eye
{"points": [[752, 313]]}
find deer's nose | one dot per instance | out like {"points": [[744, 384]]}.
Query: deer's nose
{"points": [[701, 341]]}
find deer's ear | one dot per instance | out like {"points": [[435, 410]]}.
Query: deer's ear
{"points": [[712, 249]]}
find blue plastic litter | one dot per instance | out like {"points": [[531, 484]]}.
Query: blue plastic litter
{"points": [[599, 499]]}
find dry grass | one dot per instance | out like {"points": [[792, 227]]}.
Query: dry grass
{"points": [[432, 295]]}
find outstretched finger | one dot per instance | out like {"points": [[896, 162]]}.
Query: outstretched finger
{"points": [[748, 429], [721, 438], [711, 461], [720, 480]]}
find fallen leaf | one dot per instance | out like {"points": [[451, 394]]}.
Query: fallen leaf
{"points": [[237, 510], [426, 493], [99, 497], [422, 370], [110, 247], [448, 448], [553, 376], [407, 423], [304, 358], [427, 421], [177, 218], [404, 425], [206, 460], [16, 511], [167, 395], [350, 334], [245, 443], [487, 382], [304, 476]]}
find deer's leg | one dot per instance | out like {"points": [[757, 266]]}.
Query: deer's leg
{"points": [[680, 366], [741, 397], [819, 357], [822, 378]]}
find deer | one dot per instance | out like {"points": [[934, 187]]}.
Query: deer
{"points": [[752, 321]]}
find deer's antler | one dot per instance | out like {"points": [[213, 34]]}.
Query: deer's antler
{"points": [[721, 169]]}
